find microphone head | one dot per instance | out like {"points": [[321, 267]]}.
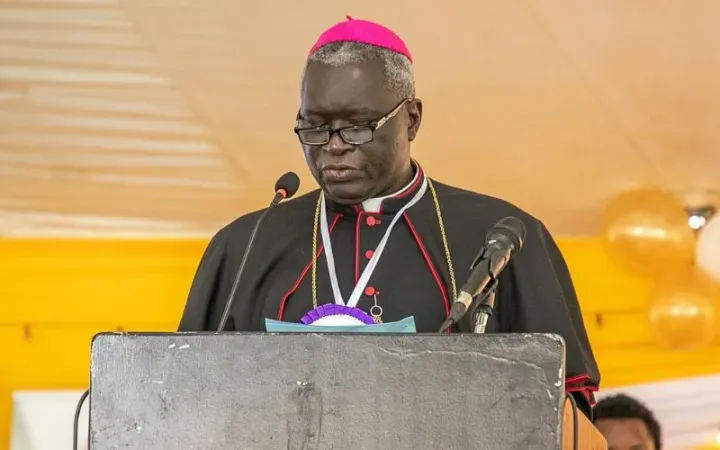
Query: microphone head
{"points": [[512, 229], [288, 184]]}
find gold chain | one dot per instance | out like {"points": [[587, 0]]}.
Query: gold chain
{"points": [[441, 223], [315, 252], [446, 247]]}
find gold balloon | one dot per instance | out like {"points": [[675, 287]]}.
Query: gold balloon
{"points": [[683, 311], [646, 231]]}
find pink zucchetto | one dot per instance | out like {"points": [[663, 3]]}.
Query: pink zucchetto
{"points": [[365, 32]]}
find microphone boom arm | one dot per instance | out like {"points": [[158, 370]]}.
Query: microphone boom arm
{"points": [[279, 196], [241, 269]]}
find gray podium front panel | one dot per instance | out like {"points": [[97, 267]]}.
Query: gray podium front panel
{"points": [[326, 391]]}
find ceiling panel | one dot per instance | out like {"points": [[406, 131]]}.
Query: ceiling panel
{"points": [[164, 116]]}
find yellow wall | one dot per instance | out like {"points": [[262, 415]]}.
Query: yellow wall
{"points": [[55, 294]]}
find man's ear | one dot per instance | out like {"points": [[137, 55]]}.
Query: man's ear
{"points": [[414, 109]]}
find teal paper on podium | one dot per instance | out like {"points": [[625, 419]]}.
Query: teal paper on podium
{"points": [[406, 325]]}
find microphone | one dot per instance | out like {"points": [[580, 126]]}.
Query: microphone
{"points": [[502, 241], [285, 187]]}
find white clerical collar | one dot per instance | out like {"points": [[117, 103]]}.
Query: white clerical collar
{"points": [[373, 205]]}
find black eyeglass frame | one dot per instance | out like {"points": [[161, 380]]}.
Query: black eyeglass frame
{"points": [[371, 127]]}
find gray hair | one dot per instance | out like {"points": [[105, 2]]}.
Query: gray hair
{"points": [[398, 68]]}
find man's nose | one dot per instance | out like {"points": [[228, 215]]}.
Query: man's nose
{"points": [[336, 145]]}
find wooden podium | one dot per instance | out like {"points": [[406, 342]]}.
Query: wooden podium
{"points": [[258, 391], [589, 438]]}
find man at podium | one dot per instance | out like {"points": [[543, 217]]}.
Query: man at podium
{"points": [[381, 241]]}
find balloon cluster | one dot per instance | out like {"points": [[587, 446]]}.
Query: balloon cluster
{"points": [[647, 232]]}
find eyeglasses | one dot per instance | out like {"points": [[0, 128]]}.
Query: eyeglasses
{"points": [[350, 134]]}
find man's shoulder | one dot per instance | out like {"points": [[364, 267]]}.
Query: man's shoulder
{"points": [[479, 209], [287, 216]]}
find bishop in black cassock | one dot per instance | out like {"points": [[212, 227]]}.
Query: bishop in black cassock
{"points": [[358, 115]]}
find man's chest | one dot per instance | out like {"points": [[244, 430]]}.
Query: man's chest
{"points": [[411, 276]]}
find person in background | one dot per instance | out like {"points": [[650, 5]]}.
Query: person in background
{"points": [[627, 424]]}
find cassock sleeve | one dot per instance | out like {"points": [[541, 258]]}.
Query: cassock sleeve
{"points": [[203, 301], [540, 298]]}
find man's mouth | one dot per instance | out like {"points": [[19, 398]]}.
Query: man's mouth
{"points": [[339, 173]]}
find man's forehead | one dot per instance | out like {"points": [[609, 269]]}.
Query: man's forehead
{"points": [[360, 88], [342, 106], [624, 430]]}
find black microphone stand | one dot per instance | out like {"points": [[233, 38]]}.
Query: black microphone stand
{"points": [[484, 304], [484, 309]]}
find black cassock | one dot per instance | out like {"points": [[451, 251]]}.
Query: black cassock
{"points": [[535, 292]]}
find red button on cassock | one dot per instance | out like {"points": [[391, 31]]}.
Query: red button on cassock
{"points": [[371, 221], [369, 254], [370, 291]]}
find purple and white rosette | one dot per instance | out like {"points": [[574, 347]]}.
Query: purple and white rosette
{"points": [[335, 315]]}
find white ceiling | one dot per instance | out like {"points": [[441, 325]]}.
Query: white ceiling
{"points": [[172, 116]]}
